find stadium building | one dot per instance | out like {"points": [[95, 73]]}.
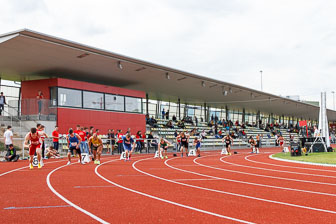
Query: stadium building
{"points": [[89, 86]]}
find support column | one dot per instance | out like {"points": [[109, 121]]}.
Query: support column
{"points": [[179, 108], [243, 116], [147, 103], [226, 113], [205, 112]]}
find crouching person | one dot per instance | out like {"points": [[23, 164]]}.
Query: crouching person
{"points": [[11, 154]]}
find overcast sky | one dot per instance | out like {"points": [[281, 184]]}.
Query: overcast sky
{"points": [[292, 41]]}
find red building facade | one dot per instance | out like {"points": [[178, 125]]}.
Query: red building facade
{"points": [[87, 104]]}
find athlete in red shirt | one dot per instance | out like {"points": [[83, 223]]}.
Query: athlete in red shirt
{"points": [[33, 141]]}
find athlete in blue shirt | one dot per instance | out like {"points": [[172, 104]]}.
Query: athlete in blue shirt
{"points": [[129, 145]]}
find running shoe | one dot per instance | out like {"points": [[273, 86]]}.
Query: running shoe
{"points": [[199, 155], [98, 162], [31, 166], [95, 162], [68, 163], [161, 157], [83, 163], [39, 166], [166, 157]]}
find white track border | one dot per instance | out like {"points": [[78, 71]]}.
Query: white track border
{"points": [[300, 162]]}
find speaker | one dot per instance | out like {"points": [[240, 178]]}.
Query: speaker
{"points": [[295, 149], [318, 147], [330, 149]]}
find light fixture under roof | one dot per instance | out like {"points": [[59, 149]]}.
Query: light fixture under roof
{"points": [[140, 69], [225, 93], [203, 84], [120, 65], [83, 55], [167, 76], [230, 90]]}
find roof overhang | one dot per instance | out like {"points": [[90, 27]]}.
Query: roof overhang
{"points": [[29, 55]]}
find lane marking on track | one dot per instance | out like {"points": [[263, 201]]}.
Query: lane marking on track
{"points": [[33, 207], [280, 171], [26, 167], [125, 175], [294, 167], [69, 202], [251, 183], [92, 186], [228, 193], [192, 179], [273, 177], [161, 199]]}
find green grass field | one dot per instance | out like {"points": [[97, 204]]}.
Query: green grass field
{"points": [[316, 157]]}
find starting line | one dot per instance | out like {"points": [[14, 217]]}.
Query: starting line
{"points": [[33, 207]]}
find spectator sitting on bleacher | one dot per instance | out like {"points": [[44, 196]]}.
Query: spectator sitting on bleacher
{"points": [[147, 118], [174, 118], [203, 135], [169, 124], [180, 124], [11, 154], [151, 141], [237, 123], [153, 122]]}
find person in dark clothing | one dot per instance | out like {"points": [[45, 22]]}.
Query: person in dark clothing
{"points": [[151, 141], [2, 102], [11, 154]]}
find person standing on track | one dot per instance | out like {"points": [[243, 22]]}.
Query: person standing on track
{"points": [[55, 136], [40, 130], [74, 141], [197, 144], [184, 143], [164, 144], [252, 144], [228, 141], [129, 145], [33, 141], [120, 141], [281, 141], [257, 143], [96, 145]]}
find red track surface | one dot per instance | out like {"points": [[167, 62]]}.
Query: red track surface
{"points": [[209, 189]]}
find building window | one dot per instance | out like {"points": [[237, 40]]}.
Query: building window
{"points": [[69, 97], [114, 102], [53, 96], [93, 100], [133, 104]]}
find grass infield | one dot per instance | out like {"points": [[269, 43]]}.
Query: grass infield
{"points": [[316, 157]]}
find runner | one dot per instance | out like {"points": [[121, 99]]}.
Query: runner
{"points": [[281, 141], [197, 143], [33, 141], [252, 144], [129, 145], [96, 145], [74, 141], [83, 145], [184, 143], [228, 141], [163, 148], [178, 142]]}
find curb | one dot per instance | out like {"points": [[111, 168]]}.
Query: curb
{"points": [[306, 163]]}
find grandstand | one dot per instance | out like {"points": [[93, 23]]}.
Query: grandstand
{"points": [[94, 87]]}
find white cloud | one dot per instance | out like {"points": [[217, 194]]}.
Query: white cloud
{"points": [[293, 42]]}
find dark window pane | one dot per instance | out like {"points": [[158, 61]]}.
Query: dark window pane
{"points": [[93, 100], [114, 102], [69, 97]]}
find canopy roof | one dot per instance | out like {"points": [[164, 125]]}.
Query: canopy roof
{"points": [[29, 55]]}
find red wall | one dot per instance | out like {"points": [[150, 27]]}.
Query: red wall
{"points": [[103, 120], [70, 117]]}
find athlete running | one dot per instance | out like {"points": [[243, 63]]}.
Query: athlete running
{"points": [[96, 146], [184, 143], [74, 141], [228, 141], [197, 143], [163, 148], [257, 143], [33, 141], [129, 145]]}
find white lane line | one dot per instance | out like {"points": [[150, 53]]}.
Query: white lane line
{"points": [[294, 167], [38, 207], [281, 171], [164, 200], [92, 186], [26, 167], [301, 162], [69, 202], [272, 177], [230, 193], [242, 182], [192, 179]]}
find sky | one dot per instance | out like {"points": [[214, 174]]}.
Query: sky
{"points": [[293, 42]]}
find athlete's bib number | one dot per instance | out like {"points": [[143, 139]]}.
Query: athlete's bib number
{"points": [[73, 143]]}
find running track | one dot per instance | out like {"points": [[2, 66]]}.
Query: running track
{"points": [[242, 188]]}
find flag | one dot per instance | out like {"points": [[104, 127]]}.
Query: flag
{"points": [[302, 123]]}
